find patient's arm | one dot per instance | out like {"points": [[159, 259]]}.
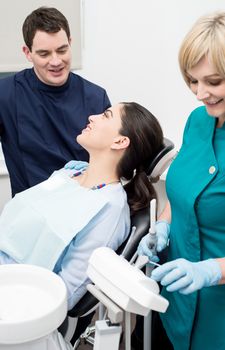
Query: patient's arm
{"points": [[110, 228]]}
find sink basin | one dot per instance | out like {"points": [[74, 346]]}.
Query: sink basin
{"points": [[33, 303]]}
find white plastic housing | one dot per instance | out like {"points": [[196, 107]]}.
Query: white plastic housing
{"points": [[33, 303], [125, 284]]}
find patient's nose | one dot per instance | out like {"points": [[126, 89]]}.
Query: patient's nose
{"points": [[93, 117]]}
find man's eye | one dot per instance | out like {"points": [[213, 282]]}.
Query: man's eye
{"points": [[61, 52], [44, 54]]}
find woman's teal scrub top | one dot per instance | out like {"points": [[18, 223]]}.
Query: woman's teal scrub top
{"points": [[196, 190]]}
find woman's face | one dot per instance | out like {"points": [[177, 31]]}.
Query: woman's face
{"points": [[209, 87], [102, 129]]}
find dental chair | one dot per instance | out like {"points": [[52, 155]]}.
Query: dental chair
{"points": [[33, 300], [141, 222]]}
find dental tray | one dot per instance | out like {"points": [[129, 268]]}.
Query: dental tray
{"points": [[125, 284]]}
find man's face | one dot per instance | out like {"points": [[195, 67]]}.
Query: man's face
{"points": [[51, 57]]}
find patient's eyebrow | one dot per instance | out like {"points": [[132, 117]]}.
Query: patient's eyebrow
{"points": [[110, 112]]}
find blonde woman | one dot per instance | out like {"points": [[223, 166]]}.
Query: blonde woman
{"points": [[194, 221]]}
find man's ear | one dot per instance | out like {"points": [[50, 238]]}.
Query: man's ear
{"points": [[26, 51], [120, 142]]}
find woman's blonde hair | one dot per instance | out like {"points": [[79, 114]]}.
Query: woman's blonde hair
{"points": [[206, 38]]}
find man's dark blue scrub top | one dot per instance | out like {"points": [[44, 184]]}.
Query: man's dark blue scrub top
{"points": [[39, 124]]}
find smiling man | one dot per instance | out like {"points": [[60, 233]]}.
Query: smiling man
{"points": [[51, 57], [43, 109]]}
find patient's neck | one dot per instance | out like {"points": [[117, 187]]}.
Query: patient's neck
{"points": [[100, 171]]}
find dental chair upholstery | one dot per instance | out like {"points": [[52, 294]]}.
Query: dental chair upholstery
{"points": [[141, 220]]}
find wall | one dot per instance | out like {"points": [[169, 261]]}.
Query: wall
{"points": [[130, 47], [11, 38]]}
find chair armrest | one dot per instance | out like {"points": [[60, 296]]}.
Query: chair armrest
{"points": [[84, 305]]}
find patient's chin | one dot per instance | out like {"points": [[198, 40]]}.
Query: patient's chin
{"points": [[78, 139], [82, 141]]}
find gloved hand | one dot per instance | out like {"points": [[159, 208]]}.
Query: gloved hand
{"points": [[187, 277], [162, 233], [76, 165]]}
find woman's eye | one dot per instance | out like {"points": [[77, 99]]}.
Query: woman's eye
{"points": [[215, 83], [193, 81]]}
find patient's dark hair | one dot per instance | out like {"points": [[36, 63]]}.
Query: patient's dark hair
{"points": [[45, 19], [146, 140]]}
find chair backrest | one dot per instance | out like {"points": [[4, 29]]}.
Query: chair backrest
{"points": [[162, 161]]}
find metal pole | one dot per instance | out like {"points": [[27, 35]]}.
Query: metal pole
{"points": [[127, 331], [148, 320]]}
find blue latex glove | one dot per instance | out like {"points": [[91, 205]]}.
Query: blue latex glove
{"points": [[76, 165], [162, 233], [187, 277]]}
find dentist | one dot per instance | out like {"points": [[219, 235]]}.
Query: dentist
{"points": [[194, 221]]}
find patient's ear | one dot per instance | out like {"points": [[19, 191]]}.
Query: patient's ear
{"points": [[120, 142]]}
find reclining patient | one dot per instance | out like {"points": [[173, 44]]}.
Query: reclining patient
{"points": [[59, 222]]}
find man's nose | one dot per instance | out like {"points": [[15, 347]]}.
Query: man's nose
{"points": [[55, 60]]}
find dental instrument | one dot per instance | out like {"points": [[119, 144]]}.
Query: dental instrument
{"points": [[129, 242], [142, 260], [152, 230], [153, 263]]}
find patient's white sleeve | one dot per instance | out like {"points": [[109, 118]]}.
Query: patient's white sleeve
{"points": [[109, 228]]}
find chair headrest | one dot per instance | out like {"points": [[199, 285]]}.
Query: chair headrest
{"points": [[161, 162]]}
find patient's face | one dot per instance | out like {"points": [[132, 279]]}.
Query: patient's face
{"points": [[102, 129]]}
